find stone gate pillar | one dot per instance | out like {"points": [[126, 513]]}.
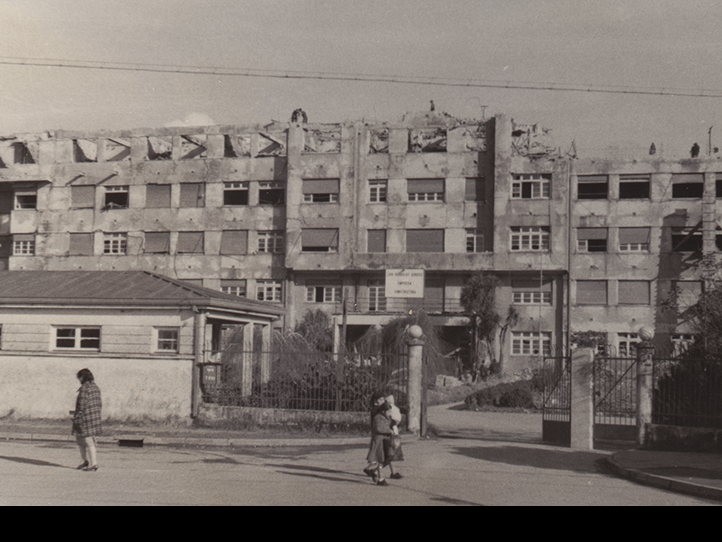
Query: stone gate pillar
{"points": [[416, 348]]}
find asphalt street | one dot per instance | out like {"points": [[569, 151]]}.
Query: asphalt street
{"points": [[445, 471]]}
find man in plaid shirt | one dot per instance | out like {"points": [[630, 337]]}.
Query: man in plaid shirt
{"points": [[86, 420]]}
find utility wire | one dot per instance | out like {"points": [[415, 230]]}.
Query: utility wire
{"points": [[396, 79]]}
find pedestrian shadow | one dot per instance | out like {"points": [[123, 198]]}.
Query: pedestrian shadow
{"points": [[321, 473], [36, 462], [540, 458]]}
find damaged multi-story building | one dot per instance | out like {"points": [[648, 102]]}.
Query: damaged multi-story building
{"points": [[310, 216]]}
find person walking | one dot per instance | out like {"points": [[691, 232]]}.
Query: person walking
{"points": [[86, 420], [380, 437]]}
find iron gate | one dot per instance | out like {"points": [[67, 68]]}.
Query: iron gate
{"points": [[557, 401], [615, 398]]}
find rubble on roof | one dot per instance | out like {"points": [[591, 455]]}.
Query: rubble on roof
{"points": [[532, 140]]}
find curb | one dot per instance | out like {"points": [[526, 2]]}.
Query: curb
{"points": [[664, 482], [193, 441]]}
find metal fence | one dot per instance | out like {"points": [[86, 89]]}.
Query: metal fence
{"points": [[306, 381], [557, 389], [615, 391], [687, 392]]}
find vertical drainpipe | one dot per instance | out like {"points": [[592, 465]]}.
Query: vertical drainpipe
{"points": [[199, 324], [569, 256]]}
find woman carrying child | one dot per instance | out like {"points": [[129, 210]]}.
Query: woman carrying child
{"points": [[381, 434]]}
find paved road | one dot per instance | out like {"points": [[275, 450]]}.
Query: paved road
{"points": [[449, 471]]}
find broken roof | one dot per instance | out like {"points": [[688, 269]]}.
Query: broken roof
{"points": [[118, 288]]}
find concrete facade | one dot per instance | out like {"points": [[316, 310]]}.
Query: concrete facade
{"points": [[307, 216]]}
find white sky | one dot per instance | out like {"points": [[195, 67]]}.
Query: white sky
{"points": [[651, 44]]}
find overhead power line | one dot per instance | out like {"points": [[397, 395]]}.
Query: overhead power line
{"points": [[324, 76]]}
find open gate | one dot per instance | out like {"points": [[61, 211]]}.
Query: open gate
{"points": [[557, 401]]}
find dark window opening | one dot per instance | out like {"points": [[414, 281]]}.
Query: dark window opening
{"points": [[718, 188], [687, 190], [634, 190], [592, 191], [235, 194], [22, 154], [116, 200], [596, 245], [684, 242], [271, 196]]}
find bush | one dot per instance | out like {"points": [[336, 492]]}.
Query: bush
{"points": [[508, 395]]}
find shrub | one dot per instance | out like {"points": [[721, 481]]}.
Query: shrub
{"points": [[508, 395]]}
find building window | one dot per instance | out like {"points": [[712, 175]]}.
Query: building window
{"points": [[592, 186], [425, 189], [270, 241], [323, 294], [271, 193], [686, 239], [77, 338], [531, 291], [427, 140], [531, 186], [682, 342], [157, 196], [687, 293], [157, 242], [718, 185], [320, 190], [687, 185], [377, 295], [82, 197], [530, 238], [591, 292], [377, 240], [634, 239], [531, 344], [192, 195], [190, 242], [319, 240], [633, 292], [627, 344], [115, 243], [234, 242], [23, 245], [424, 240], [22, 156], [634, 186], [235, 193], [26, 199], [268, 290], [234, 287], [474, 241], [377, 191], [193, 147], [81, 244], [116, 197], [592, 239], [475, 189], [167, 339]]}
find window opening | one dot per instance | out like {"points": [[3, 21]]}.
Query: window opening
{"points": [[377, 191], [116, 197], [115, 243], [235, 193], [271, 193], [531, 186], [634, 186], [270, 241], [530, 238], [592, 187]]}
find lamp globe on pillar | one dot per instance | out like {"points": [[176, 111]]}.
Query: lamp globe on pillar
{"points": [[646, 333], [415, 332]]}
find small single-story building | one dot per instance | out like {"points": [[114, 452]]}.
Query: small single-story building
{"points": [[144, 336]]}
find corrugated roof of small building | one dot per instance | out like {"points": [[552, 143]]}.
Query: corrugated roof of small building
{"points": [[113, 288]]}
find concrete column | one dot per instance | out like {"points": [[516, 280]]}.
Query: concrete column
{"points": [[266, 354], [416, 348], [247, 363], [582, 417], [645, 388], [199, 346]]}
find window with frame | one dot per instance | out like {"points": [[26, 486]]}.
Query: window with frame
{"points": [[320, 190], [592, 186], [190, 242], [234, 287], [271, 193], [157, 242], [192, 195], [530, 238], [687, 185], [591, 239], [591, 292], [270, 242], [634, 239], [116, 197], [475, 189], [82, 197], [531, 186], [115, 243], [424, 240], [474, 241], [323, 294], [531, 291], [235, 193], [377, 295], [687, 239], [167, 339], [531, 343], [633, 292], [377, 191], [682, 342], [26, 198], [77, 338], [425, 189], [319, 240], [269, 290], [627, 344], [24, 244], [634, 186]]}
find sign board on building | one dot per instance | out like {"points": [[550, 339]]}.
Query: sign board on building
{"points": [[405, 283]]}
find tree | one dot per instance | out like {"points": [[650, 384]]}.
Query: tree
{"points": [[316, 328], [478, 297]]}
